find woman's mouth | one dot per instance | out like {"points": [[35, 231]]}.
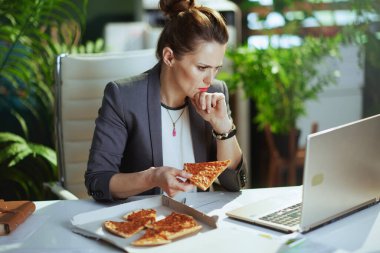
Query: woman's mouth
{"points": [[202, 89]]}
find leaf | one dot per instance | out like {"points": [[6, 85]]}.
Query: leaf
{"points": [[6, 137], [47, 153], [21, 121], [27, 47], [281, 80], [13, 153]]}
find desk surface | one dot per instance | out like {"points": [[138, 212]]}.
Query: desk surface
{"points": [[49, 228]]}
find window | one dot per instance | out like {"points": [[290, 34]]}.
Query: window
{"points": [[284, 26]]}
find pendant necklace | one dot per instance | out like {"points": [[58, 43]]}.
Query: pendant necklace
{"points": [[174, 132]]}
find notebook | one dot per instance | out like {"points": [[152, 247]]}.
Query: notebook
{"points": [[341, 176]]}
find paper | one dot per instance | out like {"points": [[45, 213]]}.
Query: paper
{"points": [[24, 230]]}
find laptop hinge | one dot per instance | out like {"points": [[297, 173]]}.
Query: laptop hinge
{"points": [[339, 215]]}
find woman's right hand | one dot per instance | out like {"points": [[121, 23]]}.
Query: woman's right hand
{"points": [[168, 179]]}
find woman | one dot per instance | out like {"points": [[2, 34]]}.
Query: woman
{"points": [[151, 124]]}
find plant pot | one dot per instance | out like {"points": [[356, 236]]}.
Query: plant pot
{"points": [[282, 153], [283, 145]]}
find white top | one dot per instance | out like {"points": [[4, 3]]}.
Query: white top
{"points": [[177, 149]]}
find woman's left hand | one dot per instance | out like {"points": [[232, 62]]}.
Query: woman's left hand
{"points": [[212, 108]]}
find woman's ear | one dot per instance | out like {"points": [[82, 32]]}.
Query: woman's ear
{"points": [[168, 56]]}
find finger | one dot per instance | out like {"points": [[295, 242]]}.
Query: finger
{"points": [[194, 103], [177, 186], [217, 100], [203, 100], [209, 99], [184, 187], [196, 100], [171, 193], [184, 174], [214, 101]]}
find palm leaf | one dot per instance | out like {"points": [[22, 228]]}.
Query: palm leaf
{"points": [[11, 154], [47, 153], [21, 121], [28, 50], [10, 137], [25, 166]]}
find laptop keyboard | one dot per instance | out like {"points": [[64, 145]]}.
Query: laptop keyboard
{"points": [[288, 216]]}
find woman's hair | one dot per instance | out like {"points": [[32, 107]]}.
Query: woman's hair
{"points": [[187, 25]]}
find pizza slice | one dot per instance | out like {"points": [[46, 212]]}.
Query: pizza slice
{"points": [[147, 215], [176, 225], [205, 173], [124, 228], [151, 238], [171, 227]]}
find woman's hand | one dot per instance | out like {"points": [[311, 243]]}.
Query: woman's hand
{"points": [[168, 179], [212, 108]]}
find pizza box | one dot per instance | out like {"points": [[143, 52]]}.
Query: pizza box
{"points": [[90, 223]]}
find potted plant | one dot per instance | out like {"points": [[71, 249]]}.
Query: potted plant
{"points": [[32, 34], [24, 167], [281, 80]]}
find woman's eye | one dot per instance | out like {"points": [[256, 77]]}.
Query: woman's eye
{"points": [[201, 68]]}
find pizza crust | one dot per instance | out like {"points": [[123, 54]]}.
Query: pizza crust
{"points": [[151, 238]]}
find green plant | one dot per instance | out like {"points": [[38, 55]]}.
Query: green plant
{"points": [[281, 80], [31, 35], [24, 167]]}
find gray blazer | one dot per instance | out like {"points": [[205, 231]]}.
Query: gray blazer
{"points": [[127, 136]]}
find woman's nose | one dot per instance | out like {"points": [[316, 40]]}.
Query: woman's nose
{"points": [[209, 78], [207, 81]]}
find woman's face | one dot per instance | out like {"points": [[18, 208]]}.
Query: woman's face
{"points": [[194, 72]]}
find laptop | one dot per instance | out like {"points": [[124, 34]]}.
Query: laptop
{"points": [[341, 176]]}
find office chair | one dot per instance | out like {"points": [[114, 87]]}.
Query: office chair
{"points": [[280, 163], [79, 84]]}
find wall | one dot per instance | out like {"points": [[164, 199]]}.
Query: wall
{"points": [[100, 12], [341, 103]]}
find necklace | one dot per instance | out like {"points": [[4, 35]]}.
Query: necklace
{"points": [[174, 132]]}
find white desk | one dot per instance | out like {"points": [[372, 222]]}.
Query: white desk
{"points": [[49, 228]]}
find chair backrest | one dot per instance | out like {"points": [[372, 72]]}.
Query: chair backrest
{"points": [[80, 83]]}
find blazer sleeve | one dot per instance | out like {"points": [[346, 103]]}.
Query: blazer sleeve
{"points": [[108, 143], [233, 179]]}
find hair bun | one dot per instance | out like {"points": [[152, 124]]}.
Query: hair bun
{"points": [[171, 8]]}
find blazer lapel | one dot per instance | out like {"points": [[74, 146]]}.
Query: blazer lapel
{"points": [[154, 115]]}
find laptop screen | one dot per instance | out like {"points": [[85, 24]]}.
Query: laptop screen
{"points": [[342, 171]]}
